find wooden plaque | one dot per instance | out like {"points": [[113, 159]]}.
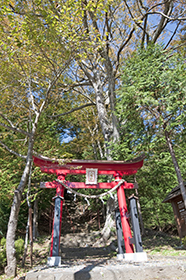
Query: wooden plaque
{"points": [[91, 176]]}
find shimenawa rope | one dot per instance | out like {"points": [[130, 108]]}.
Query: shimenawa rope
{"points": [[92, 196]]}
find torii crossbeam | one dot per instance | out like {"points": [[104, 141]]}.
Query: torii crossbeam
{"points": [[61, 168]]}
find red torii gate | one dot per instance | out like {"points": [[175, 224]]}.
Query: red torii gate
{"points": [[61, 168]]}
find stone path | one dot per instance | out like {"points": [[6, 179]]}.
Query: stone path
{"points": [[173, 268]]}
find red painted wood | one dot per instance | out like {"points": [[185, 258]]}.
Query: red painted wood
{"points": [[115, 168], [74, 171], [100, 172], [81, 185], [62, 190], [124, 219], [79, 166]]}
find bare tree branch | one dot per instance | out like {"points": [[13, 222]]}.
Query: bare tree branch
{"points": [[83, 67], [15, 129], [159, 4], [168, 17], [73, 110], [80, 84], [11, 151], [31, 97], [142, 5], [50, 86], [177, 47], [175, 30], [144, 32], [85, 20], [84, 95], [124, 43], [136, 21], [6, 119], [163, 22], [47, 58]]}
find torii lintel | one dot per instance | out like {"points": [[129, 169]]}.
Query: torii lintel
{"points": [[115, 168]]}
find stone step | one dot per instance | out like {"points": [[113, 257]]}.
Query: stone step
{"points": [[103, 269]]}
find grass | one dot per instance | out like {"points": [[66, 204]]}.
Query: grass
{"points": [[161, 244]]}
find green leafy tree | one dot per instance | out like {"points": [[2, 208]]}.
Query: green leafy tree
{"points": [[154, 85], [27, 85], [102, 33]]}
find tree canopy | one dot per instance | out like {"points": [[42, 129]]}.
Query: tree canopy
{"points": [[154, 90]]}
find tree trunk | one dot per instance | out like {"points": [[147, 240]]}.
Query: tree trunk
{"points": [[26, 244], [110, 132], [11, 268], [31, 236], [111, 93], [110, 219], [102, 113], [176, 166], [35, 220], [108, 121]]}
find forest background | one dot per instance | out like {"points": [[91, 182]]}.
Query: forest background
{"points": [[90, 80]]}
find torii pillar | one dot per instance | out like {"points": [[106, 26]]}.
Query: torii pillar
{"points": [[115, 168], [58, 210]]}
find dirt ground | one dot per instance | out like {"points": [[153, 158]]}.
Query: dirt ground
{"points": [[86, 255], [166, 258]]}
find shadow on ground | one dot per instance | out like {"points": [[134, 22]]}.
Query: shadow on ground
{"points": [[88, 255]]}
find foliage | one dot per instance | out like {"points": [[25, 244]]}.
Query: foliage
{"points": [[152, 99], [26, 86], [156, 179], [10, 172], [184, 241], [96, 36], [154, 84], [2, 253], [19, 246]]}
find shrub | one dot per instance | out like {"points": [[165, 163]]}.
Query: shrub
{"points": [[2, 253], [3, 242], [184, 241], [19, 246]]}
